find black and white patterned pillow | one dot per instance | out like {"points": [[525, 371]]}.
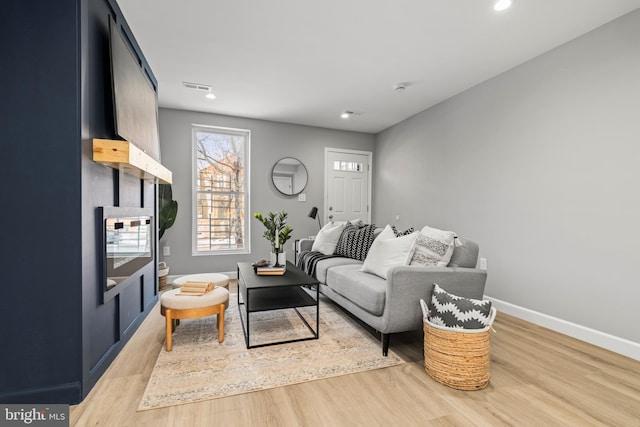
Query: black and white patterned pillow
{"points": [[402, 233], [355, 242], [342, 240], [450, 310]]}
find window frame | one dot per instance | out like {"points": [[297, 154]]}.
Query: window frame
{"points": [[246, 133]]}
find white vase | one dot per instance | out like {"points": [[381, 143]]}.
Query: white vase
{"points": [[282, 258]]}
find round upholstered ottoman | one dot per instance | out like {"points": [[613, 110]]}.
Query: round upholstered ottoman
{"points": [[217, 279], [175, 307]]}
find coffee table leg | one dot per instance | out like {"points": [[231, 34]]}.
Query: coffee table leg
{"points": [[248, 319], [245, 332]]}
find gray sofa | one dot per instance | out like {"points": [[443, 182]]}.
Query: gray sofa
{"points": [[393, 305]]}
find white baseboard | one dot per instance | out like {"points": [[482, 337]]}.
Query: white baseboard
{"points": [[610, 342]]}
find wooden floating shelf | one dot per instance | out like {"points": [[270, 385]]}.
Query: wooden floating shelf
{"points": [[125, 156]]}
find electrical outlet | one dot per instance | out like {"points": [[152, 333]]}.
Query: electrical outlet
{"points": [[302, 197], [166, 250], [483, 263]]}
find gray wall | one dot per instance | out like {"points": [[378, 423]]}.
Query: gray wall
{"points": [[270, 141], [540, 166]]}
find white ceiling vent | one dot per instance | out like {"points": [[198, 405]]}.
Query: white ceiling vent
{"points": [[197, 86]]}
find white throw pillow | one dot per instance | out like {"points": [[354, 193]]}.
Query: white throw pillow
{"points": [[327, 238], [386, 233], [434, 248], [355, 222], [388, 251]]}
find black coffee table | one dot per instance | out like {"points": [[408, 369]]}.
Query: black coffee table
{"points": [[293, 290]]}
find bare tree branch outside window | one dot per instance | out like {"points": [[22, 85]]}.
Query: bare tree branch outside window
{"points": [[220, 190]]}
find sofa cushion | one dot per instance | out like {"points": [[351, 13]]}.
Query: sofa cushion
{"points": [[388, 251], [365, 290], [433, 248], [355, 242], [327, 238], [449, 310], [323, 266]]}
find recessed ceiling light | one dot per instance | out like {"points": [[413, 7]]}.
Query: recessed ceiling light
{"points": [[210, 95], [501, 5], [346, 114]]}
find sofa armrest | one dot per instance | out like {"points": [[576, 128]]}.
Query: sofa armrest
{"points": [[305, 245], [461, 281], [407, 285]]}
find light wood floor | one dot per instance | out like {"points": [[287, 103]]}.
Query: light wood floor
{"points": [[538, 378]]}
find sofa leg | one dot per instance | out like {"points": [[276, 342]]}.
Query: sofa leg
{"points": [[385, 344]]}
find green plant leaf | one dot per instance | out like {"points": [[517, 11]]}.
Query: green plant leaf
{"points": [[275, 222], [168, 209]]}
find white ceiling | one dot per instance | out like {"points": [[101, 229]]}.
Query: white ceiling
{"points": [[304, 62]]}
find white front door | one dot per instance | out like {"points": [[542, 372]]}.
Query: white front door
{"points": [[347, 185], [284, 184]]}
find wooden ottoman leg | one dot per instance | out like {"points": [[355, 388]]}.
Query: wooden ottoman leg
{"points": [[169, 327], [221, 323]]}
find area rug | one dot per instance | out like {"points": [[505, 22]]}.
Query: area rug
{"points": [[199, 368]]}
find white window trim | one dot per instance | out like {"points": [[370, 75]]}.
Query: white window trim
{"points": [[235, 131]]}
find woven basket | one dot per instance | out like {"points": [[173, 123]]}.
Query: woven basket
{"points": [[455, 358], [163, 273], [162, 282]]}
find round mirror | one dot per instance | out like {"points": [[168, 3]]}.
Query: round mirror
{"points": [[289, 176]]}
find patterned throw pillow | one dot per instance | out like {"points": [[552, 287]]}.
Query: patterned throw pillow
{"points": [[355, 242], [402, 233], [446, 309], [433, 248], [342, 241]]}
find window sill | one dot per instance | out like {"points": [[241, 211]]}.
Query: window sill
{"points": [[221, 252]]}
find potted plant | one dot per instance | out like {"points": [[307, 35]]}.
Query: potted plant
{"points": [[167, 211], [277, 232], [168, 208]]}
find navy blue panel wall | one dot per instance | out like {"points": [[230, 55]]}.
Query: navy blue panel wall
{"points": [[40, 214], [58, 336], [108, 325]]}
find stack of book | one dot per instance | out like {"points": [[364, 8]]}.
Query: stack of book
{"points": [[270, 270], [195, 288]]}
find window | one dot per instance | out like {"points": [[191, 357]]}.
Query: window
{"points": [[347, 166], [221, 190]]}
